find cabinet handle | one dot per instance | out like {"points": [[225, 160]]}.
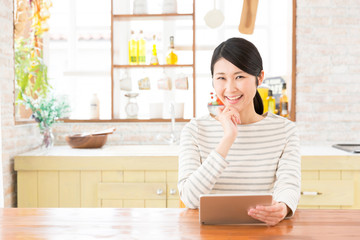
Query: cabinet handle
{"points": [[172, 191], [159, 191], [311, 193]]}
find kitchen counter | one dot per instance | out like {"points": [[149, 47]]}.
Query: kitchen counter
{"points": [[325, 150], [326, 156], [164, 150], [146, 176], [108, 150], [135, 223]]}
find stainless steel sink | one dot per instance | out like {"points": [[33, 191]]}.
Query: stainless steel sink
{"points": [[353, 148]]}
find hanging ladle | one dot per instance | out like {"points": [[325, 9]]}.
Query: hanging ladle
{"points": [[214, 18]]}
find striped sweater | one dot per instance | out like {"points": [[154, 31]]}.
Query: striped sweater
{"points": [[264, 158]]}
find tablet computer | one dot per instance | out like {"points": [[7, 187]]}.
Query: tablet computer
{"points": [[230, 208]]}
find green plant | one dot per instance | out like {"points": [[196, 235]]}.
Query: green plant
{"points": [[46, 110], [30, 70]]}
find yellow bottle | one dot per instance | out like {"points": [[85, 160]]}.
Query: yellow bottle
{"points": [[154, 59], [263, 90], [284, 103], [133, 50], [141, 49], [271, 102], [171, 57]]}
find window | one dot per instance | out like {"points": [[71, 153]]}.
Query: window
{"points": [[79, 54], [78, 48]]}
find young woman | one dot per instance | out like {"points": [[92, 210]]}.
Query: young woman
{"points": [[241, 150]]}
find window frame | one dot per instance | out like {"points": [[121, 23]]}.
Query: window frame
{"points": [[293, 87]]}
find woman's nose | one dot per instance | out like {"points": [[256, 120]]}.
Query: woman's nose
{"points": [[230, 85]]}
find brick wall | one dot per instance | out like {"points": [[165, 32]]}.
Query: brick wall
{"points": [[15, 139], [328, 86], [126, 133], [328, 71]]}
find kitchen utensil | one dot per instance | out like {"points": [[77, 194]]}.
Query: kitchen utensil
{"points": [[156, 110], [172, 139], [106, 131], [182, 83], [248, 16], [169, 6], [214, 18], [353, 148], [88, 141], [213, 109]]}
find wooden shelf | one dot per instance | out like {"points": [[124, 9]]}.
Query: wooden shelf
{"points": [[154, 66], [124, 17], [126, 20], [122, 120]]}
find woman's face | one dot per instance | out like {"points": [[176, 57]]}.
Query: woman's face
{"points": [[233, 86]]}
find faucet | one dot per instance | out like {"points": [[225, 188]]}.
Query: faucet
{"points": [[173, 139]]}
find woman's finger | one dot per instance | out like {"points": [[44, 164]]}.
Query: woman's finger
{"points": [[270, 220]]}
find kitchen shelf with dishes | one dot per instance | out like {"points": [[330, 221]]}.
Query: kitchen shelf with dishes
{"points": [[153, 61]]}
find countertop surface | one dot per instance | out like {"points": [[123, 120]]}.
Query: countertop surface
{"points": [[161, 150], [170, 223], [108, 150]]}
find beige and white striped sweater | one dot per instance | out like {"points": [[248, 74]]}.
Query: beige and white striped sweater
{"points": [[265, 158]]}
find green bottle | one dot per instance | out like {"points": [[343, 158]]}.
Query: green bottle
{"points": [[271, 102], [141, 49]]}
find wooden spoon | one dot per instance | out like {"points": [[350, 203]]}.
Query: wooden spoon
{"points": [[248, 16], [103, 132]]}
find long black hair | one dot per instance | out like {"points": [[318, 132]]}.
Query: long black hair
{"points": [[244, 55]]}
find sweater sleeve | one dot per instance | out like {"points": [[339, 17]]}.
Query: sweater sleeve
{"points": [[288, 174], [196, 176]]}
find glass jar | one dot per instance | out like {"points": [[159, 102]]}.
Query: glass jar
{"points": [[48, 138]]}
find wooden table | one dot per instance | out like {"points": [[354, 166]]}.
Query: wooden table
{"points": [[136, 223]]}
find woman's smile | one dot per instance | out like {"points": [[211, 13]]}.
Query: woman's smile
{"points": [[234, 99]]}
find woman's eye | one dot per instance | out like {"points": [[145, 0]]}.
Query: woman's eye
{"points": [[238, 77], [220, 78]]}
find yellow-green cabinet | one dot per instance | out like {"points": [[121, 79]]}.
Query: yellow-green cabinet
{"points": [[330, 179], [146, 176], [127, 176]]}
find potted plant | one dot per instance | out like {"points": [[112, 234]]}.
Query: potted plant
{"points": [[46, 111], [31, 77], [30, 71]]}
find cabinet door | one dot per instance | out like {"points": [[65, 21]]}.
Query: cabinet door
{"points": [[27, 189], [132, 194], [327, 193], [173, 199]]}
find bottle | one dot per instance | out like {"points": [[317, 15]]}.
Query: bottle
{"points": [[141, 49], [284, 103], [133, 52], [171, 57], [140, 7], [169, 6], [154, 59], [271, 102], [263, 90], [94, 107]]}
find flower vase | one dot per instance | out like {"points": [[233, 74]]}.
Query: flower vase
{"points": [[48, 138]]}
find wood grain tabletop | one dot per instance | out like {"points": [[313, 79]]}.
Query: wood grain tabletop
{"points": [[167, 223]]}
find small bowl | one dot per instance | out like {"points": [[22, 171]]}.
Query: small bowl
{"points": [[89, 141], [213, 109]]}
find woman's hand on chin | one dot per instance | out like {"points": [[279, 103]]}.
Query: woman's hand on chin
{"points": [[229, 118]]}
